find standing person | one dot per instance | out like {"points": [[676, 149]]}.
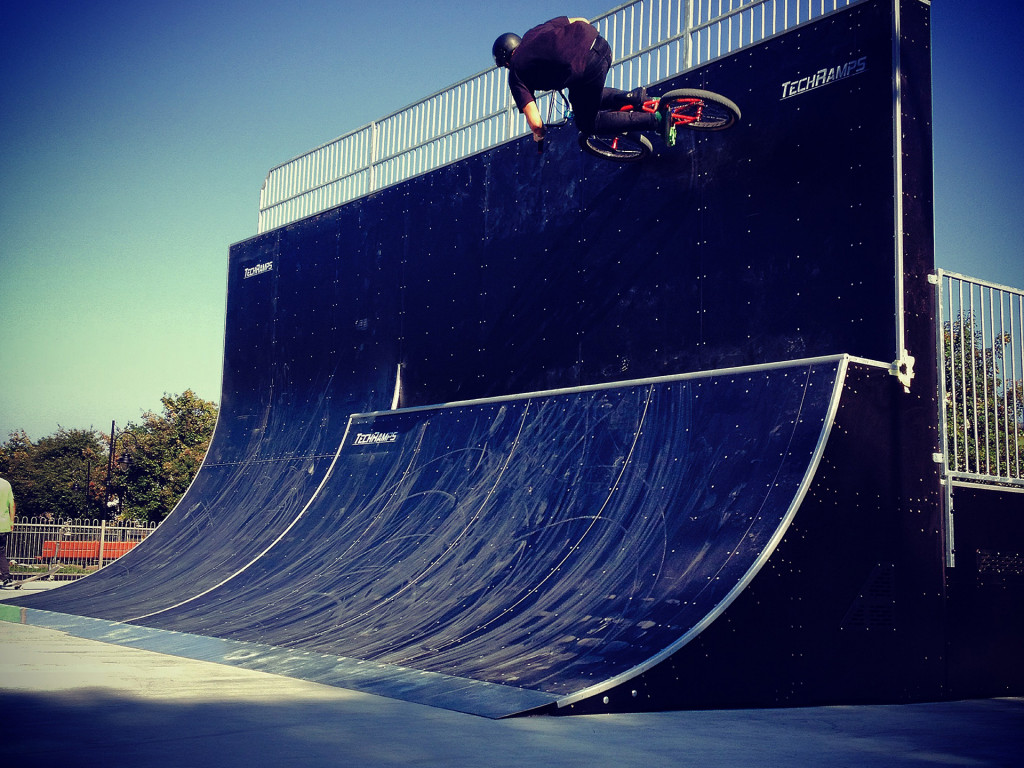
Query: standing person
{"points": [[6, 525], [569, 53]]}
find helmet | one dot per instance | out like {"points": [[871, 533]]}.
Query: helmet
{"points": [[503, 47]]}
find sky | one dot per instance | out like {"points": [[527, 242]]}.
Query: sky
{"points": [[134, 138]]}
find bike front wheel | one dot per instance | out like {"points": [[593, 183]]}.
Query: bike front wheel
{"points": [[620, 147], [700, 110]]}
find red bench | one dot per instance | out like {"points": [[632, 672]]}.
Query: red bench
{"points": [[85, 550]]}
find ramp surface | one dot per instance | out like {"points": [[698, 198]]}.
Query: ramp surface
{"points": [[497, 556]]}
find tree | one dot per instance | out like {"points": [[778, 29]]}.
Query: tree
{"points": [[64, 476], [61, 476], [157, 460], [984, 404]]}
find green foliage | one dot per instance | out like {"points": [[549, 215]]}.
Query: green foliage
{"points": [[65, 475], [156, 461], [984, 406], [60, 476]]}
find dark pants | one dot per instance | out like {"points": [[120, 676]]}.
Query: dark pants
{"points": [[5, 564], [591, 101]]}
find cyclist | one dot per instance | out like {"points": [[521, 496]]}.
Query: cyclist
{"points": [[569, 53]]}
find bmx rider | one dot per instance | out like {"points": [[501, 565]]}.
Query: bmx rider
{"points": [[568, 53]]}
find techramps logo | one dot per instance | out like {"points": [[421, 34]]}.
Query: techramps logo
{"points": [[824, 76], [259, 269], [375, 438]]}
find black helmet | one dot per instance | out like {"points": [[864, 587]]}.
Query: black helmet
{"points": [[503, 47]]}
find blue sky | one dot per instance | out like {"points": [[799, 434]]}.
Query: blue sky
{"points": [[134, 138]]}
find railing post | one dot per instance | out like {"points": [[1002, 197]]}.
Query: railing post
{"points": [[687, 30], [374, 149], [947, 485], [103, 540]]}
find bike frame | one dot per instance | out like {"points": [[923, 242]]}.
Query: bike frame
{"points": [[678, 113]]}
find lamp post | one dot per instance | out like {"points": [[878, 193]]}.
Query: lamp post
{"points": [[85, 486], [114, 438]]}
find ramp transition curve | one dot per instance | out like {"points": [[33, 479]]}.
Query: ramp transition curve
{"points": [[507, 554]]}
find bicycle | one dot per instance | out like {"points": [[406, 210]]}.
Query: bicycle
{"points": [[689, 108]]}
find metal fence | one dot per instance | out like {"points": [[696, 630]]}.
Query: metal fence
{"points": [[652, 40], [69, 548], [981, 357]]}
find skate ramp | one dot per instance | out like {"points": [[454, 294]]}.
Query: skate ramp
{"points": [[502, 555], [507, 273], [382, 507]]}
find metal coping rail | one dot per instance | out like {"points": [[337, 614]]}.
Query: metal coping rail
{"points": [[651, 40], [980, 337], [743, 370]]}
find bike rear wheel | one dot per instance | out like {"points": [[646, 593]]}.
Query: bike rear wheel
{"points": [[620, 147], [701, 110]]}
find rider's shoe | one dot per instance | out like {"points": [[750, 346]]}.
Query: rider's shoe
{"points": [[637, 97], [665, 126]]}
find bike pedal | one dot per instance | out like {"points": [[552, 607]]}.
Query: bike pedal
{"points": [[667, 128]]}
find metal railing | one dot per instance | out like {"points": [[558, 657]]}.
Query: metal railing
{"points": [[651, 40], [70, 548], [981, 363]]}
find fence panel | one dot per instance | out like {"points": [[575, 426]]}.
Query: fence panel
{"points": [[72, 548], [651, 40], [981, 350]]}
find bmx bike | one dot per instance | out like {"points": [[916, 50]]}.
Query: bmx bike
{"points": [[689, 108]]}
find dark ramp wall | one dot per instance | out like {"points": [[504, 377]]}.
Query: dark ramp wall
{"points": [[510, 272]]}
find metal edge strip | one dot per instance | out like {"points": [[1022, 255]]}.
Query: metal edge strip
{"points": [[732, 371]]}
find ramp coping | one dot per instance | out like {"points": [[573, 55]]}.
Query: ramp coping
{"points": [[740, 370]]}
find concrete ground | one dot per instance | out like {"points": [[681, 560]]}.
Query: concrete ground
{"points": [[76, 702]]}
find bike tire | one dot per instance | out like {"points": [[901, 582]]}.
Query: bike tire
{"points": [[620, 147], [716, 111]]}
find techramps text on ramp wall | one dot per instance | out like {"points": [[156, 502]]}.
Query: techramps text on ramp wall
{"points": [[513, 433]]}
